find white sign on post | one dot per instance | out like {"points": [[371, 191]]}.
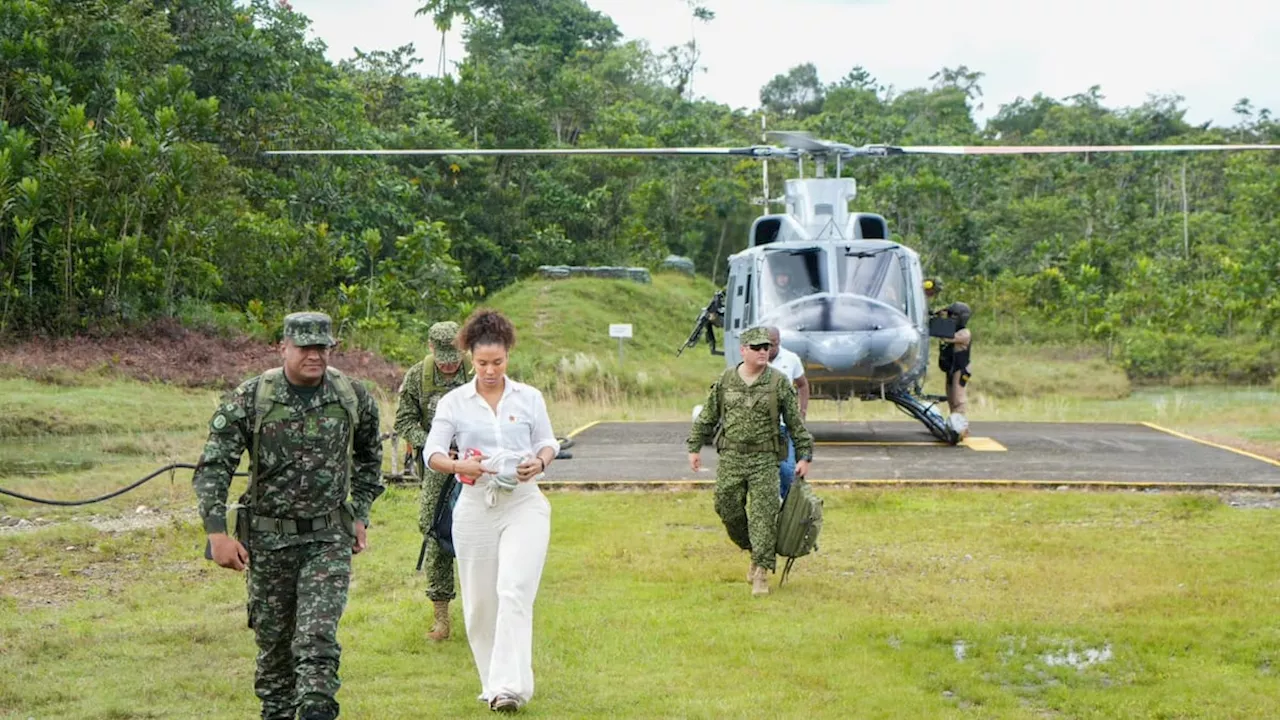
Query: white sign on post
{"points": [[621, 331]]}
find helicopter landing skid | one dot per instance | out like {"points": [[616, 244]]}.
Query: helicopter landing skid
{"points": [[926, 414]]}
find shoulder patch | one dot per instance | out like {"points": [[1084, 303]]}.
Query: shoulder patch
{"points": [[219, 421]]}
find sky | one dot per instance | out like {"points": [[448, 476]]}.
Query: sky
{"points": [[1212, 54]]}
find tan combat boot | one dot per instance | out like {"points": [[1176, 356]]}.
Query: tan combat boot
{"points": [[751, 574], [440, 630], [760, 582]]}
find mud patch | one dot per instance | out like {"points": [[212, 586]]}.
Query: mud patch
{"points": [[64, 568], [165, 351]]}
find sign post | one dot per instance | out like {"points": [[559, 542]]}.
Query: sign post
{"points": [[620, 331]]}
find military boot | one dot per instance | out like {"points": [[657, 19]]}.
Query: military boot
{"points": [[760, 582], [751, 574], [440, 630], [319, 711]]}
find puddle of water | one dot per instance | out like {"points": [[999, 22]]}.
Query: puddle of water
{"points": [[1078, 660]]}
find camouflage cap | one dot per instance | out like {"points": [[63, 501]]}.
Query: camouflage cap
{"points": [[309, 328], [441, 337], [754, 336]]}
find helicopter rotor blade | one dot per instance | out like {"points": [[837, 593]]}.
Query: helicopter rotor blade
{"points": [[800, 140], [1060, 149], [753, 151]]}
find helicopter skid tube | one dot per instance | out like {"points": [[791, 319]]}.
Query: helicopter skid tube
{"points": [[926, 414]]}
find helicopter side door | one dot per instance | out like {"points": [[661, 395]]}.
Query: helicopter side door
{"points": [[739, 307]]}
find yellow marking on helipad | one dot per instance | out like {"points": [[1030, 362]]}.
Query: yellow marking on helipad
{"points": [[1228, 448], [584, 428], [983, 444]]}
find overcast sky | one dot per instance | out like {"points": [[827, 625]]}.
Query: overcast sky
{"points": [[1211, 53]]}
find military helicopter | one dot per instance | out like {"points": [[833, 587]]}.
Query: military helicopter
{"points": [[845, 297]]}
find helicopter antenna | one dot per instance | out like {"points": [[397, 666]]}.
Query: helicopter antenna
{"points": [[764, 173]]}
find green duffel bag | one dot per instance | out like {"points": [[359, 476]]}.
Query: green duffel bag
{"points": [[799, 523]]}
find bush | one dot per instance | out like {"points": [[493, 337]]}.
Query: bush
{"points": [[1149, 356]]}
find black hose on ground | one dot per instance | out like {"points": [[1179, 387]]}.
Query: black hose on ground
{"points": [[108, 496]]}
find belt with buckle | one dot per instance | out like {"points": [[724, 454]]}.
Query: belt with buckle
{"points": [[293, 526]]}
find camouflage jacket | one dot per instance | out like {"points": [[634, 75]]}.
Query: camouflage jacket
{"points": [[747, 416], [303, 451], [417, 406]]}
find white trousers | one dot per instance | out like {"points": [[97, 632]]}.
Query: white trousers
{"points": [[501, 550]]}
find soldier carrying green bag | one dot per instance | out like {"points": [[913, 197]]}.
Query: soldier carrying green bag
{"points": [[741, 416]]}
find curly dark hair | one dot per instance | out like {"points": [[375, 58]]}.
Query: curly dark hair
{"points": [[486, 327]]}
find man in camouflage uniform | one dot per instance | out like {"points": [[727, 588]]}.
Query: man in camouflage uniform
{"points": [[749, 445], [301, 529], [424, 384]]}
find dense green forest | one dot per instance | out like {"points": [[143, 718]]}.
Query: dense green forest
{"points": [[132, 183]]}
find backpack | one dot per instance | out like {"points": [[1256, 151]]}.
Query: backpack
{"points": [[799, 523], [442, 524]]}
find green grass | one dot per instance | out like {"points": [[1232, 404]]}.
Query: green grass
{"points": [[921, 603], [564, 345]]}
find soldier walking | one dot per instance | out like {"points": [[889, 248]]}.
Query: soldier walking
{"points": [[742, 415], [424, 384], [315, 470]]}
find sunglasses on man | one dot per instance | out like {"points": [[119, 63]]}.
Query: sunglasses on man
{"points": [[760, 346]]}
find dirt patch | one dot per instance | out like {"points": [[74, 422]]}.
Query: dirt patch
{"points": [[165, 351], [55, 575]]}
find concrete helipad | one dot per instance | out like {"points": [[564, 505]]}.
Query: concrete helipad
{"points": [[1122, 454]]}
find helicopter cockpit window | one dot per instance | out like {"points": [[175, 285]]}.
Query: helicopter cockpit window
{"points": [[790, 275], [876, 275]]}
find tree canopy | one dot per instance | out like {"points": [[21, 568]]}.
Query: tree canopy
{"points": [[132, 182]]}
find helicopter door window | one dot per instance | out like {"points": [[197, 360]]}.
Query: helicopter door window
{"points": [[859, 275], [878, 276], [893, 289], [789, 275]]}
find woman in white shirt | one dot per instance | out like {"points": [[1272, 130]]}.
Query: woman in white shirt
{"points": [[502, 522]]}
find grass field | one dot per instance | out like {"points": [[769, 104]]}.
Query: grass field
{"points": [[922, 603], [919, 604]]}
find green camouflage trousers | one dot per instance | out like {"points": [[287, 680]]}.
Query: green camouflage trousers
{"points": [[438, 565], [296, 598], [747, 502]]}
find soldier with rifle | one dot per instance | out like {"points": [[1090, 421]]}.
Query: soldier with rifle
{"points": [[707, 321], [442, 370]]}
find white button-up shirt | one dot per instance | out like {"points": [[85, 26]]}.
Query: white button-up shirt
{"points": [[520, 425]]}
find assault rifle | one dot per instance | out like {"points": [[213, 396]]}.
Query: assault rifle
{"points": [[708, 321]]}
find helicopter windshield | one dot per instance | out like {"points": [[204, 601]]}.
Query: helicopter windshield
{"points": [[877, 275], [792, 274]]}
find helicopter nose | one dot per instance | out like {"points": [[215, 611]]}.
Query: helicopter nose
{"points": [[844, 332], [886, 351]]}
